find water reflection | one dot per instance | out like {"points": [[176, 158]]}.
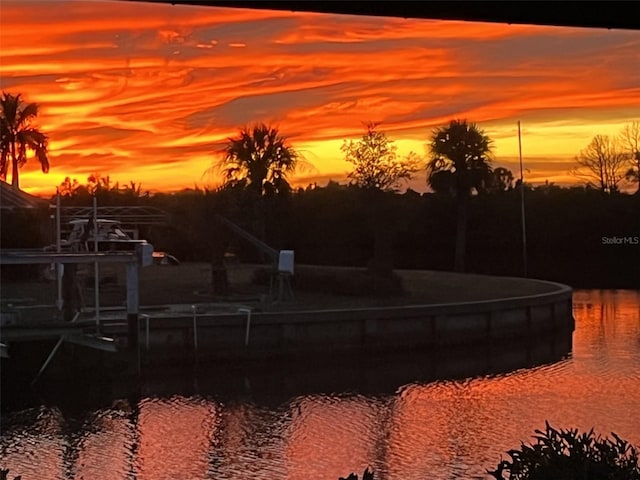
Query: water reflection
{"points": [[103, 445], [251, 443], [174, 437], [333, 435], [390, 414], [36, 447]]}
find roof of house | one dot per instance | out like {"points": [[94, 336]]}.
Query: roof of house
{"points": [[14, 198]]}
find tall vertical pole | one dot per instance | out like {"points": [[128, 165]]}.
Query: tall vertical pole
{"points": [[59, 266], [524, 229], [96, 274], [133, 305]]}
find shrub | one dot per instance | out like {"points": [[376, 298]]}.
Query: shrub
{"points": [[568, 455], [366, 475], [4, 474]]}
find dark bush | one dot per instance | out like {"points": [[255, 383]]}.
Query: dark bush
{"points": [[4, 475], [366, 475], [568, 455]]}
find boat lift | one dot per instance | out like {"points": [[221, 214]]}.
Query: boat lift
{"points": [[141, 256], [282, 261]]}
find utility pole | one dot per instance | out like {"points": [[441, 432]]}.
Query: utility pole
{"points": [[524, 229]]}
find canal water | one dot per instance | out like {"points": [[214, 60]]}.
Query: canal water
{"points": [[409, 419]]}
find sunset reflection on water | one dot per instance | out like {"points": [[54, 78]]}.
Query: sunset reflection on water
{"points": [[441, 429]]}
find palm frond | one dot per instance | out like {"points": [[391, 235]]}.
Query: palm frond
{"points": [[258, 155], [17, 136], [26, 114], [464, 150], [9, 108], [36, 141]]}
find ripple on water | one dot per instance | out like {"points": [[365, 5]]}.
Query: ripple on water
{"points": [[32, 443], [447, 429]]}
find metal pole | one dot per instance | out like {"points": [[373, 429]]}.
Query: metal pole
{"points": [[132, 305], [58, 233], [146, 319], [195, 330], [96, 274], [248, 327], [59, 266], [53, 352], [524, 229], [48, 360]]}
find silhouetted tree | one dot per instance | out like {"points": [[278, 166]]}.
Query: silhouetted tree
{"points": [[97, 182], [602, 164], [501, 180], [258, 159], [69, 187], [498, 180], [378, 172], [443, 182], [462, 149], [331, 226], [257, 162], [18, 135], [376, 163], [101, 186], [630, 140]]}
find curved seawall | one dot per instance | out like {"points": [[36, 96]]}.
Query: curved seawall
{"points": [[240, 334]]}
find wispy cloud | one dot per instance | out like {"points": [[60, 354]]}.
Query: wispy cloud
{"points": [[148, 92]]}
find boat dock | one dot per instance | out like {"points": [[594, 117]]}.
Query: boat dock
{"points": [[255, 328]]}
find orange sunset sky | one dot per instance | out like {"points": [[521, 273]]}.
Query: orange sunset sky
{"points": [[147, 92]]}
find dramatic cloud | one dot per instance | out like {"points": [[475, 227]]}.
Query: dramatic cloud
{"points": [[149, 92]]}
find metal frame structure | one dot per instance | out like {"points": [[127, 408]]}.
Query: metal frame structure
{"points": [[285, 290], [133, 261], [132, 215]]}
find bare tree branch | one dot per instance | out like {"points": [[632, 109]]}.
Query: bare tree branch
{"points": [[602, 164]]}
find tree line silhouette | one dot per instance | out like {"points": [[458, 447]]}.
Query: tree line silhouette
{"points": [[471, 221], [336, 224]]}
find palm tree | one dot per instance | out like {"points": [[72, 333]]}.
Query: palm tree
{"points": [[257, 162], [462, 149], [17, 135], [258, 159]]}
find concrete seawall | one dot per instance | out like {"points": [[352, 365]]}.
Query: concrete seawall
{"points": [[237, 334]]}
